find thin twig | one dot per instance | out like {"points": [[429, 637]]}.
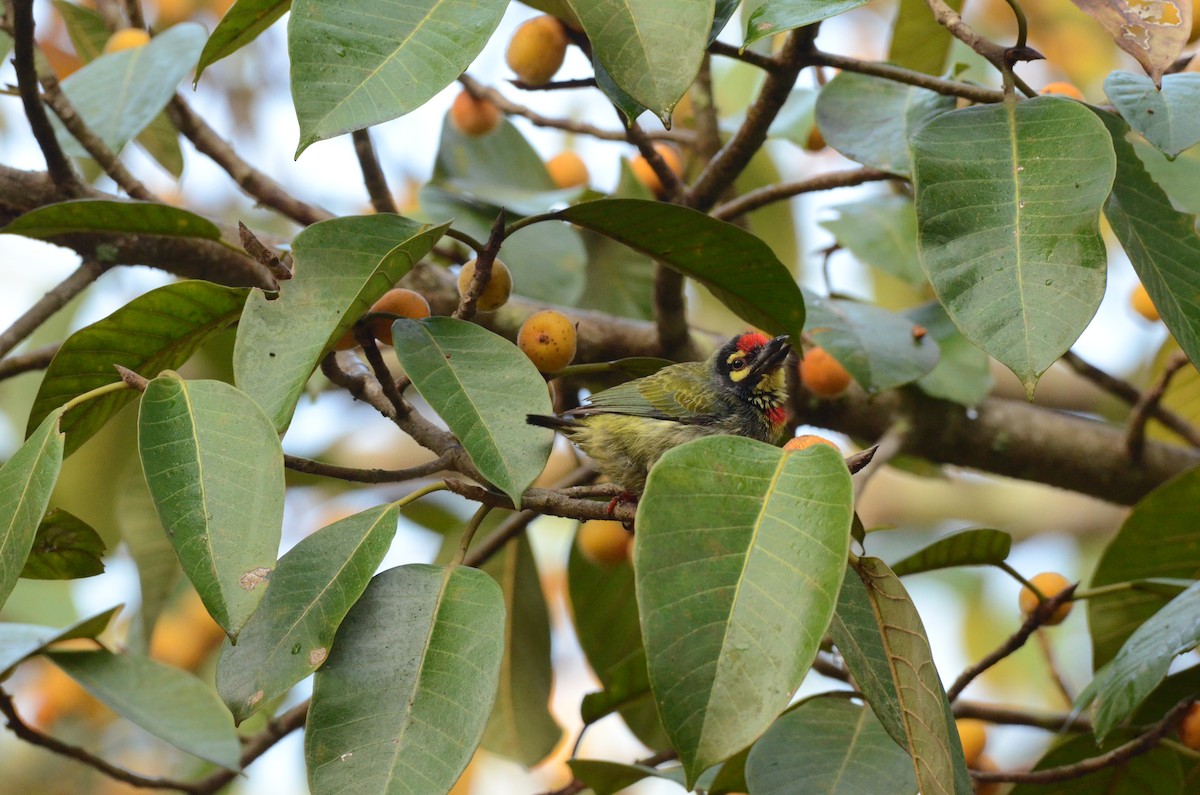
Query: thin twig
{"points": [[898, 74], [745, 55], [761, 197], [1044, 611], [358, 381], [38, 359], [1135, 435], [557, 85], [1055, 675], [1051, 722], [672, 186], [60, 168], [322, 469], [259, 744], [995, 54], [1119, 755], [383, 375], [484, 260], [373, 178], [262, 254], [48, 304], [545, 501]]}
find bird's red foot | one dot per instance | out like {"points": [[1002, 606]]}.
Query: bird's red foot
{"points": [[625, 496]]}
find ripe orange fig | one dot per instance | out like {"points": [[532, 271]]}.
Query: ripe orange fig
{"points": [[548, 339], [474, 117], [126, 39], [1139, 299], [1189, 730], [646, 174], [1063, 89], [808, 440], [537, 50], [603, 542], [568, 170], [1050, 583], [497, 290], [973, 735], [822, 374], [397, 301]]}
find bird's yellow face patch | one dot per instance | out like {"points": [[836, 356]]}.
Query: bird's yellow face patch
{"points": [[738, 366], [773, 381]]}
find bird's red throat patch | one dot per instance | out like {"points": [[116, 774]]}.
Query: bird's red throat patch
{"points": [[751, 340], [777, 415]]}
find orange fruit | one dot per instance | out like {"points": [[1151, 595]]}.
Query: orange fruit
{"points": [[474, 117], [1063, 89], [568, 170], [808, 440], [973, 735], [1189, 730], [497, 290], [126, 39], [537, 50], [1050, 583], [646, 174], [397, 301], [548, 339], [822, 374], [1139, 299], [603, 542]]}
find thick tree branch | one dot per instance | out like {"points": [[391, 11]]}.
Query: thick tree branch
{"points": [[761, 197], [907, 76], [25, 362], [547, 501], [309, 467], [373, 178], [50, 303], [1050, 721]]}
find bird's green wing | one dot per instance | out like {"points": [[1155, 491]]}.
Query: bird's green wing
{"points": [[681, 392]]}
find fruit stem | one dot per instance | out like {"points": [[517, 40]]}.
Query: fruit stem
{"points": [[469, 533], [1010, 571]]}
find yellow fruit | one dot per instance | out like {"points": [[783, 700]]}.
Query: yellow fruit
{"points": [[822, 374], [397, 301], [815, 141], [537, 50], [126, 39], [646, 174], [1049, 583], [987, 765], [497, 290], [1189, 730], [186, 636], [58, 695], [973, 734], [1139, 299], [808, 440], [603, 542], [568, 170], [172, 12], [548, 339], [1063, 89], [474, 117]]}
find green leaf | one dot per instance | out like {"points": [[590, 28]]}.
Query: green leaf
{"points": [[1142, 663], [736, 266], [611, 778], [313, 587], [215, 470], [932, 740], [86, 29], [65, 548], [875, 346], [1159, 538], [482, 386], [521, 726], [111, 215], [797, 117], [828, 746], [1154, 773], [1008, 200], [242, 24], [157, 331], [881, 232], [119, 93], [1162, 244], [1166, 117], [1180, 178], [758, 523], [169, 703], [402, 702], [919, 41], [160, 139], [627, 106], [768, 17], [21, 641], [605, 614], [150, 547], [962, 373], [980, 547], [359, 64], [342, 267], [26, 481], [870, 120], [855, 632], [651, 48]]}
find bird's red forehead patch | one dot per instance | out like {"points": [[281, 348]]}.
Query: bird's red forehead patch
{"points": [[749, 341]]}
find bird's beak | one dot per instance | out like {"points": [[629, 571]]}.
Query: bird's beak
{"points": [[771, 356]]}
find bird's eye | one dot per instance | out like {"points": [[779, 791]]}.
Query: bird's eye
{"points": [[737, 364]]}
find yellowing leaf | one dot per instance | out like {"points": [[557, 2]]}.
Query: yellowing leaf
{"points": [[1152, 31]]}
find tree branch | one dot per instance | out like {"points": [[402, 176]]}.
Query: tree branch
{"points": [[907, 76], [321, 469], [761, 197], [1052, 722], [1135, 436], [50, 303], [747, 55], [373, 179], [547, 501], [24, 362], [259, 744]]}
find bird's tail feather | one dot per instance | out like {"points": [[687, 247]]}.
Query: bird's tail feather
{"points": [[553, 423]]}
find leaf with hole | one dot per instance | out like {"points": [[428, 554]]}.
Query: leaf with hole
{"points": [[1154, 33]]}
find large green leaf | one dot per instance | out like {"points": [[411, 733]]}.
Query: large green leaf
{"points": [[1142, 663], [482, 386], [119, 93], [1180, 178], [828, 746], [111, 215], [870, 120], [1166, 117], [875, 346], [215, 470], [26, 481], [342, 266], [1159, 538], [962, 373], [65, 548], [919, 41], [313, 587], [612, 778], [241, 25], [651, 48], [979, 547], [157, 331], [882, 232], [1162, 244], [403, 700], [521, 726], [928, 725], [740, 552], [150, 547], [358, 64], [736, 266], [1157, 772], [1008, 200], [20, 641], [769, 17], [169, 703]]}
